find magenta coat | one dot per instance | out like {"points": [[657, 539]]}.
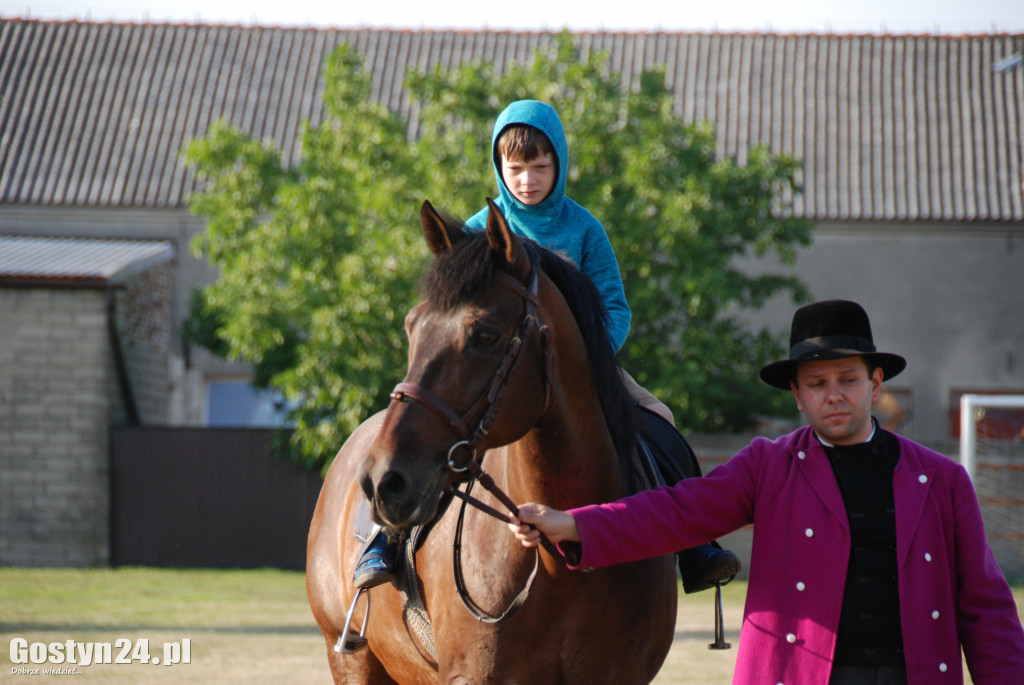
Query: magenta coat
{"points": [[952, 592]]}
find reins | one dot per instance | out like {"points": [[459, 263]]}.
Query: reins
{"points": [[472, 470], [478, 475]]}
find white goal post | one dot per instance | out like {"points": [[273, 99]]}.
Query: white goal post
{"points": [[969, 415], [992, 452]]}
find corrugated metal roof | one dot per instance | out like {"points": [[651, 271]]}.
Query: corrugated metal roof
{"points": [[888, 127], [31, 260]]}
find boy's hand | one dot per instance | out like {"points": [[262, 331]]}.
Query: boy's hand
{"points": [[535, 519]]}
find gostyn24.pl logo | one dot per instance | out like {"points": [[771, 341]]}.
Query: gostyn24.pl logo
{"points": [[28, 657]]}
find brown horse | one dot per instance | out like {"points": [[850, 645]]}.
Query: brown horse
{"points": [[510, 366]]}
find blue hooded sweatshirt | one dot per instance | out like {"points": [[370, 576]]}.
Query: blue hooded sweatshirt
{"points": [[558, 223]]}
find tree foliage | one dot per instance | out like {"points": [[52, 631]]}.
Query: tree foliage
{"points": [[318, 262]]}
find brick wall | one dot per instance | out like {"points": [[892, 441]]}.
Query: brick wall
{"points": [[55, 371]]}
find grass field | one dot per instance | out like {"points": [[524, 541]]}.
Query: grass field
{"points": [[246, 626]]}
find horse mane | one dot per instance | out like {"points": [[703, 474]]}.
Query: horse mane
{"points": [[464, 272]]}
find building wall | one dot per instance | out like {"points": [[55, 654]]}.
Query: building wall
{"points": [[945, 296], [55, 410], [59, 394], [188, 367]]}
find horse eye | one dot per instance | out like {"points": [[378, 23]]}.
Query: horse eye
{"points": [[486, 338]]}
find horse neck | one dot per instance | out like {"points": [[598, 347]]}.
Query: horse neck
{"points": [[546, 467], [568, 458]]}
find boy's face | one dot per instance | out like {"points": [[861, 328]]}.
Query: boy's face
{"points": [[530, 182]]}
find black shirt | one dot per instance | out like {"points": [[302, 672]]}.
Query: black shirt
{"points": [[869, 626]]}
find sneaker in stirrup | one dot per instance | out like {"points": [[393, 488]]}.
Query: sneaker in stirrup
{"points": [[376, 564]]}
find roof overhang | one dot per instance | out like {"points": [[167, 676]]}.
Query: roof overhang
{"points": [[36, 262]]}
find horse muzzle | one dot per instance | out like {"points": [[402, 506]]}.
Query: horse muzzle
{"points": [[400, 498]]}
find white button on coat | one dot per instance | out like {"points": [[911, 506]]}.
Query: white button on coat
{"points": [[790, 638], [801, 455], [943, 667], [800, 586], [935, 614], [927, 556], [809, 532], [922, 478]]}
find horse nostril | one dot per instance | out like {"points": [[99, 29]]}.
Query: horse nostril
{"points": [[392, 487], [366, 485]]}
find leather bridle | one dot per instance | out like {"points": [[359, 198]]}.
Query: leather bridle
{"points": [[470, 470], [490, 400]]}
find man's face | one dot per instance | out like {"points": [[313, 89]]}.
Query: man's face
{"points": [[836, 395], [530, 182]]}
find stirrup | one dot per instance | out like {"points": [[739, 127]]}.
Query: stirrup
{"points": [[719, 642], [350, 643]]}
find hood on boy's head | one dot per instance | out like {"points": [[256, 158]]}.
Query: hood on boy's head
{"points": [[542, 116]]}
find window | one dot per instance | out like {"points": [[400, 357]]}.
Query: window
{"points": [[237, 404]]}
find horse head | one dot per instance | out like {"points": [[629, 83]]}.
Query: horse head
{"points": [[474, 341]]}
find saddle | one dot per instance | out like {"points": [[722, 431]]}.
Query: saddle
{"points": [[663, 455]]}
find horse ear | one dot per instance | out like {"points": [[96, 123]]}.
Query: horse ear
{"points": [[503, 241], [435, 230]]}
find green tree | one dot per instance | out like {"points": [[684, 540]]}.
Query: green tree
{"points": [[317, 263], [310, 291]]}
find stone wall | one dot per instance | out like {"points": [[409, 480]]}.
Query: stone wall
{"points": [[55, 371], [59, 396]]}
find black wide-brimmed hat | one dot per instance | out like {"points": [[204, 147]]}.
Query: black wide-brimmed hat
{"points": [[832, 329]]}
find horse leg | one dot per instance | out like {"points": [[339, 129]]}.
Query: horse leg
{"points": [[328, 577], [358, 668], [361, 668]]}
